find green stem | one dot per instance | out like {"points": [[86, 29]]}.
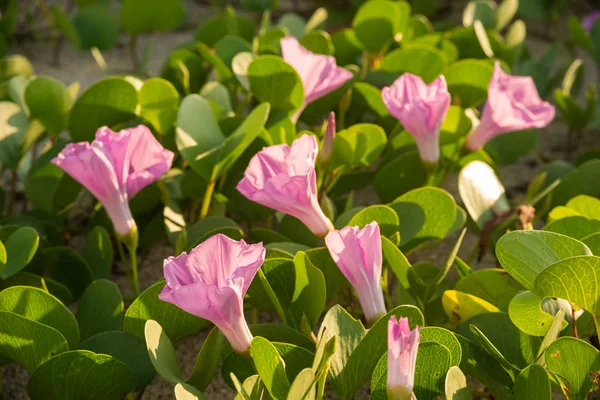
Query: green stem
{"points": [[134, 270], [122, 254], [207, 198], [265, 22]]}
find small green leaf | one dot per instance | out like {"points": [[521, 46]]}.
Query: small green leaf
{"points": [[426, 214], [126, 348], [533, 383], [20, 341], [96, 26], [276, 82], [379, 23], [37, 305], [444, 337], [175, 322], [13, 126], [211, 226], [574, 360], [421, 60], [162, 352], [20, 247], [208, 360], [385, 216], [110, 101], [49, 102], [98, 252], [406, 172], [270, 367], [493, 285], [303, 387], [525, 254], [468, 80], [80, 374], [526, 313], [100, 309], [359, 145], [66, 266], [159, 104]]}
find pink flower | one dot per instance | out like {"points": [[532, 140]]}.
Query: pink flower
{"points": [[589, 20], [211, 283], [283, 178], [513, 104], [115, 167], [357, 253], [328, 140], [319, 73], [421, 109], [403, 345]]}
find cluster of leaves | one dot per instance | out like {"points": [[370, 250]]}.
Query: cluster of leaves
{"points": [[223, 97]]}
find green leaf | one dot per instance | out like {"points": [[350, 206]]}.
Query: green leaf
{"points": [[584, 180], [468, 81], [456, 387], [218, 96], [482, 192], [39, 306], [214, 29], [65, 25], [98, 252], [303, 387], [126, 348], [230, 46], [444, 337], [13, 126], [358, 350], [20, 248], [309, 293], [480, 10], [27, 342], [274, 81], [505, 12], [385, 216], [421, 60], [208, 360], [144, 16], [551, 336], [161, 352], [509, 148], [80, 374], [533, 383], [175, 322], [586, 206], [493, 285], [96, 26], [347, 47], [67, 267], [48, 186], [525, 254], [334, 279], [509, 345], [110, 102], [183, 391], [526, 313], [576, 227], [406, 172], [270, 367], [378, 23], [48, 285], [425, 214], [49, 102], [574, 360], [479, 364], [100, 309], [461, 307], [358, 146], [574, 279], [319, 42], [159, 104]]}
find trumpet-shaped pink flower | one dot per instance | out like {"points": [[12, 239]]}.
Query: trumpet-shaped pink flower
{"points": [[513, 104], [115, 167], [403, 345], [283, 178], [421, 109], [211, 283], [328, 140], [589, 20], [319, 73], [357, 253]]}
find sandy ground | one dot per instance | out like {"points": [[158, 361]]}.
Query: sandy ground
{"points": [[81, 67]]}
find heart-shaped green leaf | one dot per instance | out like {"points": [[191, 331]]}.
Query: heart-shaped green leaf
{"points": [[468, 81], [274, 81], [20, 247], [359, 145], [525, 254], [379, 23], [49, 102], [159, 104], [385, 216], [526, 313], [100, 308]]}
